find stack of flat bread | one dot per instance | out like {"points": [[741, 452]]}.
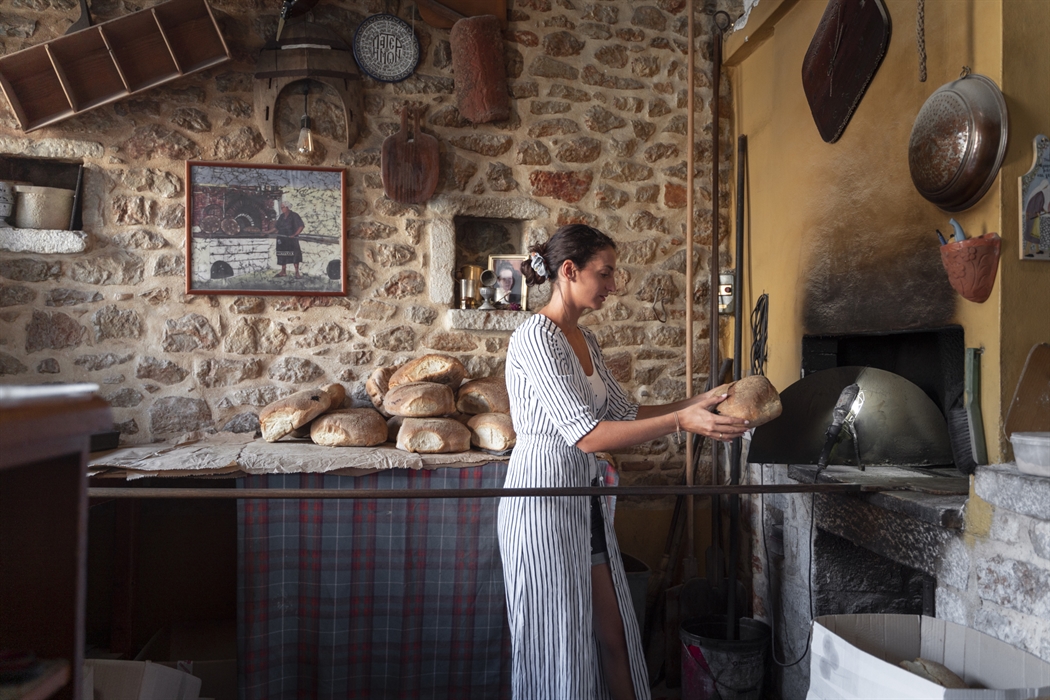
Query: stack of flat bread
{"points": [[432, 409], [425, 405]]}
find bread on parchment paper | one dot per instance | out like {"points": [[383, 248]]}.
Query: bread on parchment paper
{"points": [[492, 431], [437, 368], [484, 395], [349, 427], [378, 384], [285, 415], [433, 435], [934, 672], [419, 400], [393, 426]]}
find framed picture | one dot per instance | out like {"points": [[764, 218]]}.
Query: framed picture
{"points": [[510, 284], [265, 229]]}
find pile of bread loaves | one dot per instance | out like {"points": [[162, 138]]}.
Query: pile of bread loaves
{"points": [[425, 405]]}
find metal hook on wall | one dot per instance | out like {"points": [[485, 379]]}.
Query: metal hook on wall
{"points": [[660, 298]]}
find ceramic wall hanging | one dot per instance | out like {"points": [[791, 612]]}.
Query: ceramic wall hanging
{"points": [[386, 48], [971, 263], [1035, 203]]}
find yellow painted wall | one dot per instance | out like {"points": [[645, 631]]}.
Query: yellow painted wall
{"points": [[854, 200]]}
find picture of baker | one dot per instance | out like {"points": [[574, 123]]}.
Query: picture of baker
{"points": [[508, 284], [289, 225]]}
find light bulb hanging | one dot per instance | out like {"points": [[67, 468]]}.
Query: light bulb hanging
{"points": [[305, 143]]}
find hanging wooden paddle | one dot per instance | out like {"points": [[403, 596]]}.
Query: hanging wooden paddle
{"points": [[410, 163], [842, 59]]}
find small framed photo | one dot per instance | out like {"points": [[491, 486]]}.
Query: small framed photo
{"points": [[265, 229], [510, 284]]}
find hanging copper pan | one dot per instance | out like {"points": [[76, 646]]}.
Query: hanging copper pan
{"points": [[958, 142]]}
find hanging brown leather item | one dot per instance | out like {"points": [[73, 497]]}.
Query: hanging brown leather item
{"points": [[841, 61], [410, 162]]}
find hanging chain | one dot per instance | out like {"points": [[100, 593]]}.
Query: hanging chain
{"points": [[920, 35]]}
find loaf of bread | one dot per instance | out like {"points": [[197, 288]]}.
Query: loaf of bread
{"points": [[337, 393], [485, 395], [419, 400], [934, 672], [492, 431], [440, 369], [378, 384], [752, 398], [349, 427], [433, 435], [285, 415]]}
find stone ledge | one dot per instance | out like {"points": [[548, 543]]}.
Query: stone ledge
{"points": [[47, 241], [1004, 486], [475, 320]]}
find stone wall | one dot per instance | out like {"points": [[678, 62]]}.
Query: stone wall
{"points": [[995, 576], [596, 134]]}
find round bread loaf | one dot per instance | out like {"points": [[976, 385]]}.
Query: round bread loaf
{"points": [[431, 435], [436, 368], [419, 400], [484, 395], [349, 427], [285, 415], [378, 384], [752, 398], [492, 431]]}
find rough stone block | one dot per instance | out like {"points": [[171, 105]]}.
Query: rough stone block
{"points": [[1014, 584], [47, 241], [953, 569], [1005, 487], [951, 605]]}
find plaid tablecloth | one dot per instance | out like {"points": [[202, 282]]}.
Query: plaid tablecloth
{"points": [[372, 599]]}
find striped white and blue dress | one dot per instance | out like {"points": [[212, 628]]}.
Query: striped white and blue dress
{"points": [[545, 542]]}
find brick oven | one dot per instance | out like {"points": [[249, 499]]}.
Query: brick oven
{"points": [[938, 548]]}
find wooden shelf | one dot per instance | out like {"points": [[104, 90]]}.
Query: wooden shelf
{"points": [[107, 62]]}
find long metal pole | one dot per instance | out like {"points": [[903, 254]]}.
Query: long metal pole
{"points": [[735, 455], [383, 494], [689, 562], [716, 79]]}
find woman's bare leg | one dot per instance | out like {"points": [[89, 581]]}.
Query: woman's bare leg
{"points": [[608, 628]]}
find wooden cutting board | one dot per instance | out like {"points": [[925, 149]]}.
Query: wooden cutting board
{"points": [[1030, 409], [410, 163], [445, 13]]}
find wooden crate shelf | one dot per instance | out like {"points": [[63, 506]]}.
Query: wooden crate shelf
{"points": [[107, 62]]}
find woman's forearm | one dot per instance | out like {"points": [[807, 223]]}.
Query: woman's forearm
{"points": [[665, 408], [609, 435]]}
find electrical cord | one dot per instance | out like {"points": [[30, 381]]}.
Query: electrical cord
{"points": [[759, 329], [769, 570]]}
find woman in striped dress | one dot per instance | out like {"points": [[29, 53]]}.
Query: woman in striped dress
{"points": [[573, 631]]}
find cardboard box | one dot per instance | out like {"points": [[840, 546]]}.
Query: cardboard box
{"points": [[208, 650], [140, 680], [856, 656]]}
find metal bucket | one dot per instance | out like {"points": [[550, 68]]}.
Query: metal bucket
{"points": [[638, 582], [714, 667]]}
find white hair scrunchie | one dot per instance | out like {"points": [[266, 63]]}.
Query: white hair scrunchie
{"points": [[536, 261]]}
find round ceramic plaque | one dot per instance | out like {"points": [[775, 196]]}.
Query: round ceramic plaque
{"points": [[386, 48]]}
